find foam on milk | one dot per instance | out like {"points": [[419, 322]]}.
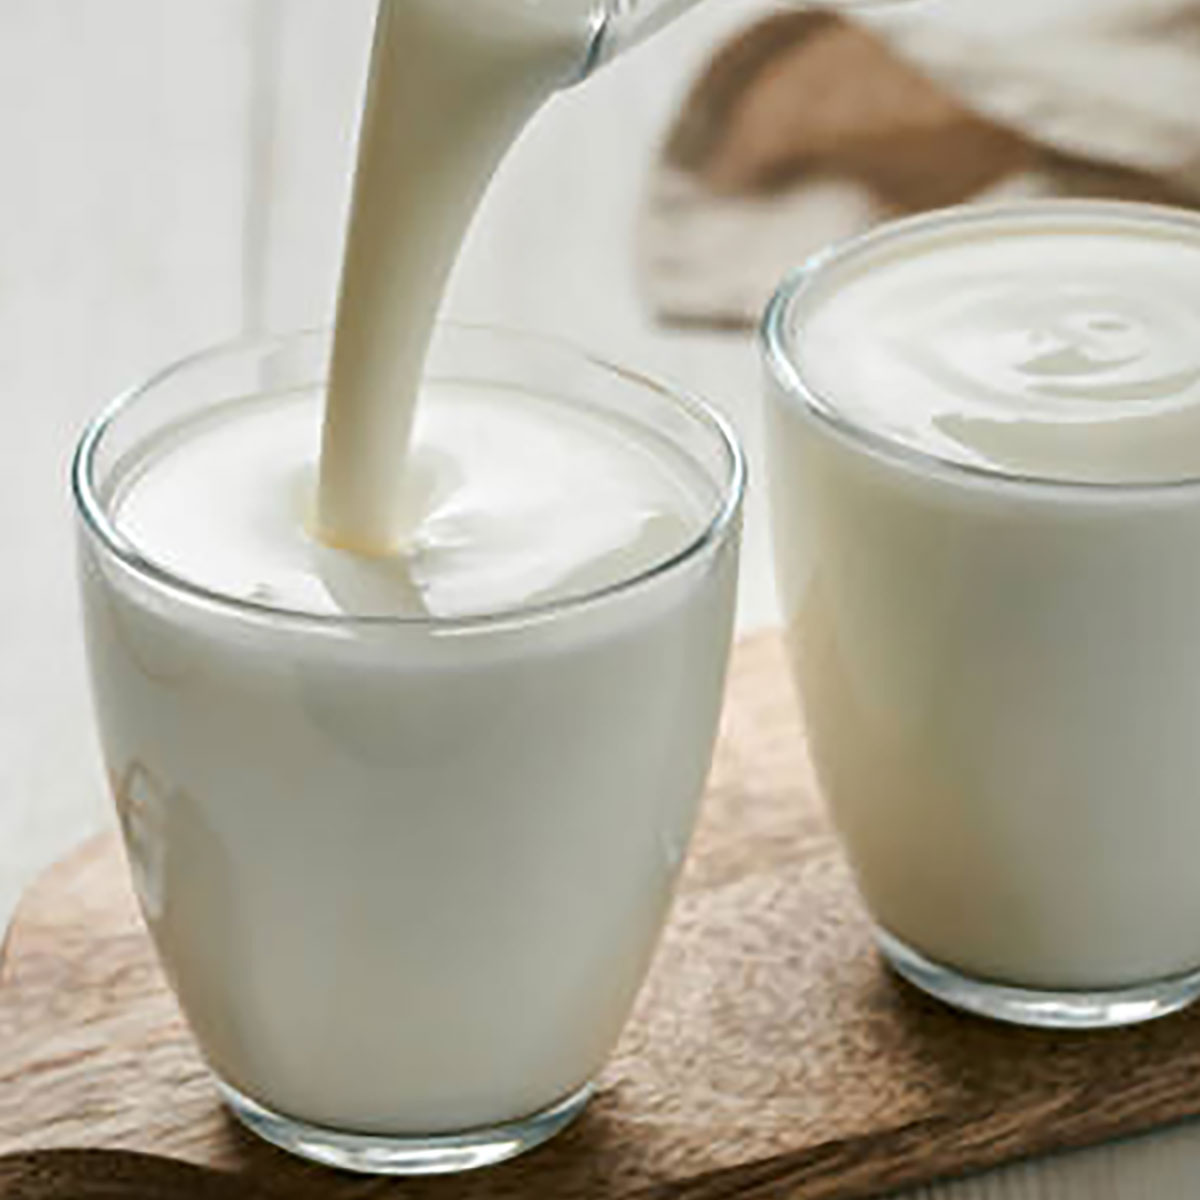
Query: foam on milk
{"points": [[510, 500], [1066, 353], [451, 87]]}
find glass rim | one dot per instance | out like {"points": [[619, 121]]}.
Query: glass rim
{"points": [[100, 525], [779, 329]]}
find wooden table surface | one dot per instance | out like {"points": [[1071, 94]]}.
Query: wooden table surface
{"points": [[173, 175]]}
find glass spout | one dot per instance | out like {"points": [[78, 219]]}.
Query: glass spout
{"points": [[621, 25], [624, 24]]}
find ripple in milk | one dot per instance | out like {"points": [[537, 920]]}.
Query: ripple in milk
{"points": [[1031, 349], [510, 500]]}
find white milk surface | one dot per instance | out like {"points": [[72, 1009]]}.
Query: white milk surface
{"points": [[1002, 680], [511, 500], [1072, 355]]}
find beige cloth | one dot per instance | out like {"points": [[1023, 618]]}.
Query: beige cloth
{"points": [[811, 128]]}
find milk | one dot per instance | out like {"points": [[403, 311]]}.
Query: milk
{"points": [[513, 500], [1002, 678], [1071, 357], [451, 87], [406, 875]]}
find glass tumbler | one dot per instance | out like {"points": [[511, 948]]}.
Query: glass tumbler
{"points": [[406, 875], [999, 668]]}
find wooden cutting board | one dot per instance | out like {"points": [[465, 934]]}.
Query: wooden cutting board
{"points": [[771, 1054]]}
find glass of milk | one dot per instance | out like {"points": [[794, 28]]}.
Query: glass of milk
{"points": [[405, 845], [985, 441]]}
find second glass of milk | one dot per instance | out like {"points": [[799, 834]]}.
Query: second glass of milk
{"points": [[405, 862], [985, 440]]}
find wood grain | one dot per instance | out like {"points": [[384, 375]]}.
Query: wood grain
{"points": [[115, 1175], [771, 1055]]}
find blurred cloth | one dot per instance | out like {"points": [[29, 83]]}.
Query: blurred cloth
{"points": [[811, 127]]}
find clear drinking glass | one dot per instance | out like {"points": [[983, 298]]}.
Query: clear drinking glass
{"points": [[378, 981], [1000, 675]]}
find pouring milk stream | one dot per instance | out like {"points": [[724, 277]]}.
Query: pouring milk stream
{"points": [[451, 87]]}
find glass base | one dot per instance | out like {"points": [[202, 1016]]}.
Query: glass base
{"points": [[377, 1154], [1035, 1008]]}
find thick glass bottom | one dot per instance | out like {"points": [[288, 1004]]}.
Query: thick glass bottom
{"points": [[1035, 1008], [374, 1154]]}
